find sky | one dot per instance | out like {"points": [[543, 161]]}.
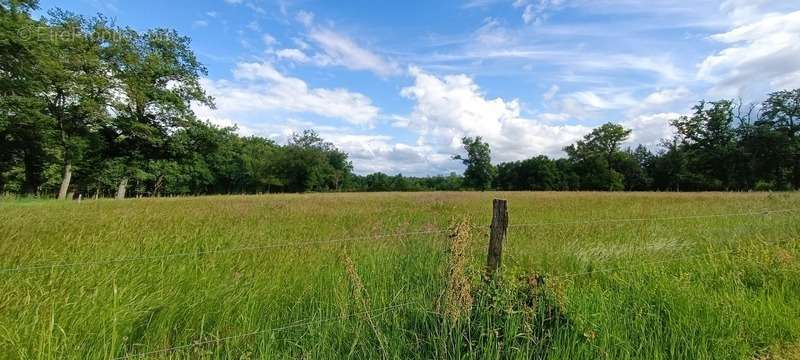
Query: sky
{"points": [[397, 84]]}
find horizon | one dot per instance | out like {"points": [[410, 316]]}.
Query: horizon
{"points": [[397, 85]]}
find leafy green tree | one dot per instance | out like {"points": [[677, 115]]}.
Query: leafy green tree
{"points": [[23, 124], [710, 142], [75, 86], [593, 158], [603, 141], [777, 138], [157, 77], [260, 164], [309, 163], [480, 172], [538, 173]]}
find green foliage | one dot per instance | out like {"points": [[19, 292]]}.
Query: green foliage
{"points": [[480, 172], [110, 105], [539, 173]]}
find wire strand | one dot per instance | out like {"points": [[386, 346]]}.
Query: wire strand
{"points": [[603, 221], [677, 258], [374, 312], [55, 265]]}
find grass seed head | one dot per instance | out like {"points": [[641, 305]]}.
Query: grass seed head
{"points": [[458, 294]]}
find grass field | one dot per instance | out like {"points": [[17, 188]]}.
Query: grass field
{"points": [[305, 276]]}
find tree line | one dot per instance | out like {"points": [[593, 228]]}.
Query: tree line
{"points": [[96, 109], [92, 108], [722, 146]]}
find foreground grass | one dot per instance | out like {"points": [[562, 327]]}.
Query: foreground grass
{"points": [[264, 277]]}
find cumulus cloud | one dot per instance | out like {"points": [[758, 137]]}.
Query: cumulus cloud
{"points": [[760, 54], [650, 129], [262, 88], [663, 100], [380, 153], [450, 107]]}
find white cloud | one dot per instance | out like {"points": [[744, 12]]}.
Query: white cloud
{"points": [[453, 106], [260, 88], [293, 54], [492, 34], [338, 49], [650, 129], [591, 103], [536, 11], [747, 11], [304, 17], [663, 100], [268, 40], [761, 56], [379, 153], [200, 23], [528, 15], [551, 93]]}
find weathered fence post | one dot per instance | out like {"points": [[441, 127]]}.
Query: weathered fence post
{"points": [[498, 232]]}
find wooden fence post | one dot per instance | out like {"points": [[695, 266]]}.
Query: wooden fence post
{"points": [[498, 232]]}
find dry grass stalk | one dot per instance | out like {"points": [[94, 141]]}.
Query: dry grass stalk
{"points": [[361, 297], [458, 294]]}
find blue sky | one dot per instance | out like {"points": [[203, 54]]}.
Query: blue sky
{"points": [[396, 84]]}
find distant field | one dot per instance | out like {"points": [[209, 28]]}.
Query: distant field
{"points": [[635, 275]]}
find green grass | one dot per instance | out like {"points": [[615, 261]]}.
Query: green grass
{"points": [[697, 287]]}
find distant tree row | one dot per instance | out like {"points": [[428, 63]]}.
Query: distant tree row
{"points": [[91, 108], [721, 146]]}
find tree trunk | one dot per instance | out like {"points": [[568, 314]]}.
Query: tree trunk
{"points": [[157, 187], [123, 186], [62, 193]]}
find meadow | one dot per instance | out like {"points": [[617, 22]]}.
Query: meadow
{"points": [[381, 275]]}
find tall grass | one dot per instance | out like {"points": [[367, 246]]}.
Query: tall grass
{"points": [[705, 287]]}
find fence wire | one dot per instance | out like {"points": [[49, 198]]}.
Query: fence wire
{"points": [[662, 261], [60, 264], [374, 312], [690, 217]]}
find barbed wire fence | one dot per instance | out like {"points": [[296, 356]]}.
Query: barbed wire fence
{"points": [[498, 231]]}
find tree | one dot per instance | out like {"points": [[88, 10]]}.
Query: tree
{"points": [[309, 163], [710, 142], [604, 140], [158, 78], [24, 125], [538, 173], [480, 172], [779, 134], [17, 6], [75, 86], [596, 159], [260, 164]]}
